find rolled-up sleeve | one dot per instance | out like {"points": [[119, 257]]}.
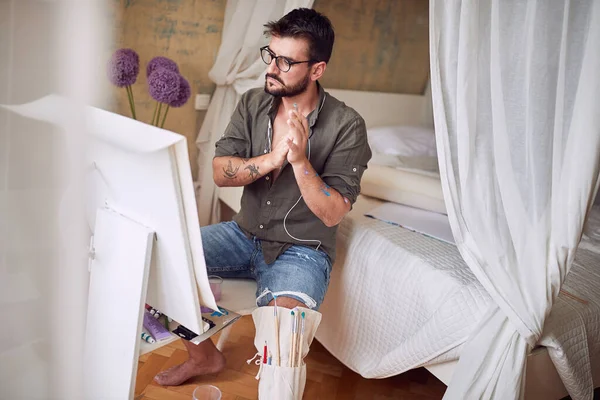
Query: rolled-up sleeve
{"points": [[348, 160], [236, 138]]}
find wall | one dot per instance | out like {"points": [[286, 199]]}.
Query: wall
{"points": [[380, 46], [188, 32]]}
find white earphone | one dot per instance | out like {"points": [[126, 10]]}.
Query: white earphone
{"points": [[299, 198]]}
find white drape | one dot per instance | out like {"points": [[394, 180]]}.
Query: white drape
{"points": [[514, 87], [238, 67], [43, 238]]}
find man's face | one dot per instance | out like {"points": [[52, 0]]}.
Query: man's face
{"points": [[296, 80]]}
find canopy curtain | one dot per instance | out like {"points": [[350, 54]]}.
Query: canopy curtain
{"points": [[238, 67], [514, 86]]}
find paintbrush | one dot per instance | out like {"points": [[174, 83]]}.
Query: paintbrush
{"points": [[292, 337], [301, 339], [296, 335], [277, 362]]}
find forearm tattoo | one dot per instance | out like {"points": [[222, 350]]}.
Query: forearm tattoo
{"points": [[230, 172], [253, 171]]}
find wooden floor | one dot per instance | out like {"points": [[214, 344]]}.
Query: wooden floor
{"points": [[327, 378]]}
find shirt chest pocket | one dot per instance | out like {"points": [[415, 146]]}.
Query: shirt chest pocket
{"points": [[261, 138]]}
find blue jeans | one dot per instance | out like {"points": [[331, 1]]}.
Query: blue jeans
{"points": [[301, 272]]}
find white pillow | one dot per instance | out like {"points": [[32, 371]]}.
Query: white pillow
{"points": [[423, 163], [403, 187], [407, 141]]}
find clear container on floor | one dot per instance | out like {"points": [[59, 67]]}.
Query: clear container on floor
{"points": [[207, 392]]}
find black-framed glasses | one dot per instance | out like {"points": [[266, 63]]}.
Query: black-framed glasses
{"points": [[283, 63]]}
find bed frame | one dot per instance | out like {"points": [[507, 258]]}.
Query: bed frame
{"points": [[381, 109]]}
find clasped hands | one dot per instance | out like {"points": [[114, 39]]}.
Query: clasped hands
{"points": [[293, 146]]}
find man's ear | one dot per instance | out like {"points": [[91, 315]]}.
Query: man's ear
{"points": [[318, 70]]}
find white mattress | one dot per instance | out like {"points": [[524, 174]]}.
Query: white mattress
{"points": [[399, 300]]}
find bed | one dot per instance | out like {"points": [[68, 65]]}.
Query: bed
{"points": [[399, 300], [417, 303]]}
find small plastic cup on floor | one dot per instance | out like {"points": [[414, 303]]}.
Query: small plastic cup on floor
{"points": [[207, 392], [215, 287]]}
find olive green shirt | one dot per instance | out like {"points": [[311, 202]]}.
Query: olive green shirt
{"points": [[339, 153]]}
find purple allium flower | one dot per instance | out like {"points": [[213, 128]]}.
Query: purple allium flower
{"points": [[184, 93], [163, 85], [161, 62], [123, 67]]}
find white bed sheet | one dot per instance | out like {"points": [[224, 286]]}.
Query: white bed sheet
{"points": [[572, 330], [399, 300]]}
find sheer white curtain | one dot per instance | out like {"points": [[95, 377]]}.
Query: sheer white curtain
{"points": [[238, 67], [43, 236], [514, 87]]}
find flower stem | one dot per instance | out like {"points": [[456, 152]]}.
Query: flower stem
{"points": [[131, 102], [154, 115], [165, 117], [129, 99], [159, 111]]}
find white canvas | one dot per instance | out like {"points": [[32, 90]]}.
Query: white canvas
{"points": [[143, 172]]}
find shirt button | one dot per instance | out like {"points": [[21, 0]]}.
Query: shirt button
{"points": [[267, 178], [354, 169], [260, 226], [265, 151], [268, 203]]}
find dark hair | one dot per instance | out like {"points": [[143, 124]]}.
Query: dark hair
{"points": [[307, 24]]}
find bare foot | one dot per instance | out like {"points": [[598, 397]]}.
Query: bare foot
{"points": [[180, 373]]}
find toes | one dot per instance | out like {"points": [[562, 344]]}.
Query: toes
{"points": [[165, 380], [163, 377]]}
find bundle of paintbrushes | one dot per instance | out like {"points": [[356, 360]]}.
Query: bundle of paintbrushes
{"points": [[297, 329], [282, 341], [297, 338]]}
